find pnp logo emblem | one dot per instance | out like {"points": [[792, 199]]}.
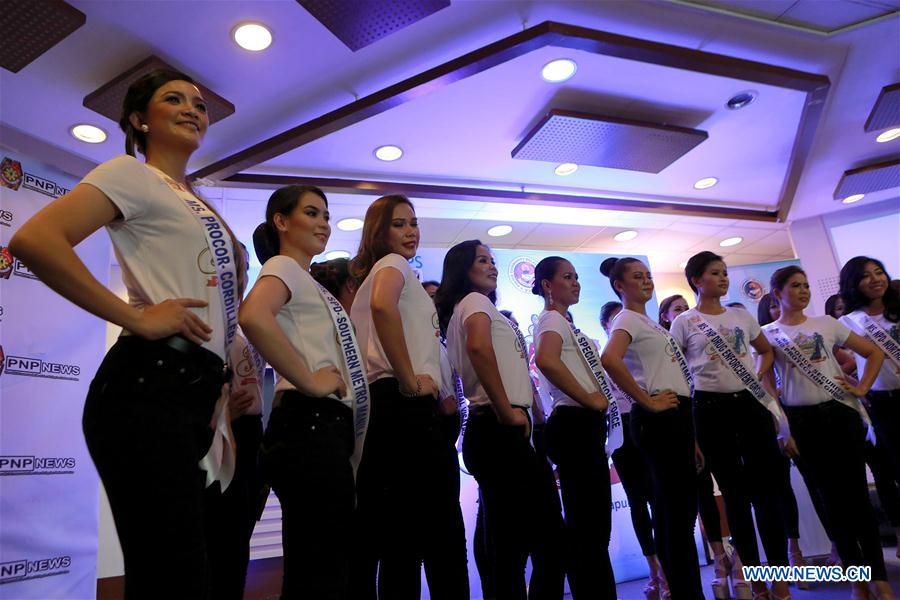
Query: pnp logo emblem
{"points": [[10, 173], [753, 289], [36, 465], [21, 270], [6, 262], [521, 273], [6, 218], [20, 570]]}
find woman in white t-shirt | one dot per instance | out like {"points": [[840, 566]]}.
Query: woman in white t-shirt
{"points": [[735, 431], [521, 504], [826, 424], [645, 362], [871, 302], [403, 498], [148, 412], [576, 431], [310, 440]]}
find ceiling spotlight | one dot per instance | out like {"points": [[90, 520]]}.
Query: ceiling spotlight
{"points": [[252, 36], [499, 230], [853, 198], [557, 71], [741, 99], [351, 224], [889, 135], [388, 153], [624, 236], [337, 254], [565, 169], [706, 182], [88, 133], [732, 241]]}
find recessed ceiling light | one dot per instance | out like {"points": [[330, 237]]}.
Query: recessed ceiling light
{"points": [[388, 153], [732, 241], [624, 236], [337, 254], [252, 36], [853, 198], [565, 169], [351, 224], [741, 99], [88, 133], [559, 70], [499, 230], [889, 135], [706, 182]]}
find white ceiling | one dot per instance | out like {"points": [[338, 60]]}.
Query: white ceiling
{"points": [[463, 133]]}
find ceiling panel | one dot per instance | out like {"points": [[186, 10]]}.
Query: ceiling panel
{"points": [[830, 15], [477, 230], [736, 260], [778, 242], [550, 235]]}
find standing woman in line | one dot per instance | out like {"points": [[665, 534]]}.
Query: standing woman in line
{"points": [[872, 310], [520, 499], [405, 495], [733, 415], [645, 362], [828, 421], [576, 429], [634, 473], [148, 412], [315, 433]]}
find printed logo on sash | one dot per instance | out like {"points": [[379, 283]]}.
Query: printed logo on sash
{"points": [[799, 360], [886, 340], [724, 350], [672, 350]]}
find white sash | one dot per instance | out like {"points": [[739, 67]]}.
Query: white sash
{"points": [[219, 460], [742, 373], [831, 387], [590, 356], [878, 335], [521, 339], [463, 408], [353, 369], [679, 355]]}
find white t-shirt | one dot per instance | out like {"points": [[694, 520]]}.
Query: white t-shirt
{"points": [[651, 355], [306, 321], [420, 324], [551, 320], [447, 383], [889, 375], [737, 327], [159, 243], [507, 348], [815, 337], [247, 374]]}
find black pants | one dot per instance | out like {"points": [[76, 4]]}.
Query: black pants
{"points": [[789, 509], [831, 437], [408, 502], [737, 436], [146, 423], [521, 508], [707, 506], [231, 516], [634, 473], [884, 410], [305, 456], [886, 482], [667, 441], [575, 440]]}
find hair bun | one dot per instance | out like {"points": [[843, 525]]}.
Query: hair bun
{"points": [[262, 244], [536, 287], [607, 265]]}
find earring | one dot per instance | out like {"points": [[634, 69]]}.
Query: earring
{"points": [[144, 128], [550, 297]]}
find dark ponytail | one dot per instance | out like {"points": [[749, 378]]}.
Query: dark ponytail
{"points": [[283, 201]]}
